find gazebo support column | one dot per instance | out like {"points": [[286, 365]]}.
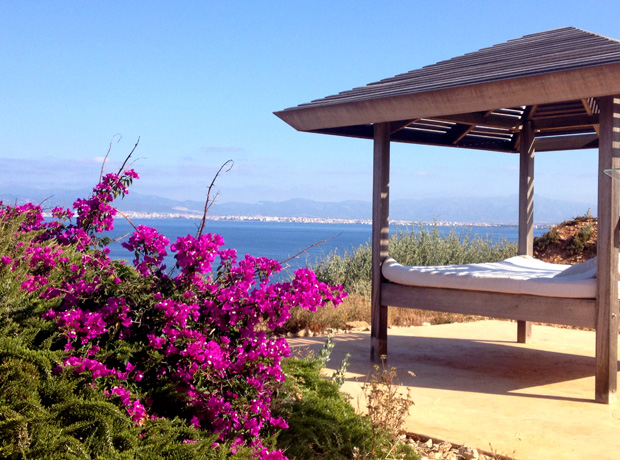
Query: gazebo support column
{"points": [[526, 210], [607, 274], [380, 237]]}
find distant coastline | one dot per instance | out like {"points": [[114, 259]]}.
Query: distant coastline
{"points": [[456, 212], [308, 220]]}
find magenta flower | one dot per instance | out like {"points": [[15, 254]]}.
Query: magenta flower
{"points": [[204, 333]]}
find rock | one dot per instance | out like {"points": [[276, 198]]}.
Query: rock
{"points": [[426, 323], [444, 446], [304, 333], [429, 443], [468, 453], [356, 325]]}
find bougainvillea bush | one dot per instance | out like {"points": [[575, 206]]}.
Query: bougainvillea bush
{"points": [[189, 344]]}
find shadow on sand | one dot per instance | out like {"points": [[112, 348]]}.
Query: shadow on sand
{"points": [[457, 364]]}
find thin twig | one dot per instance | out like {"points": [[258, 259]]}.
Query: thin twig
{"points": [[127, 219], [128, 157], [310, 247], [209, 202], [108, 153]]}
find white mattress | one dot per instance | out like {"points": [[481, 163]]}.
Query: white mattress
{"points": [[517, 275]]}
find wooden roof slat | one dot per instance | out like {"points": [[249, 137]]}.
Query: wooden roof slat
{"points": [[477, 119], [475, 72], [565, 122], [400, 124], [566, 132], [458, 132], [577, 142], [591, 108]]}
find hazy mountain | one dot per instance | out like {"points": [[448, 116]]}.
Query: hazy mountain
{"points": [[491, 210]]}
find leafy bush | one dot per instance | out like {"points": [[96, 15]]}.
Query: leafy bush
{"points": [[322, 422], [49, 416], [134, 354], [544, 241], [582, 239]]}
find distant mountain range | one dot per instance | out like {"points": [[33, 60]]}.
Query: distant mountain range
{"points": [[475, 210]]}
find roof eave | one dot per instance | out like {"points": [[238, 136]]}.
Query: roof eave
{"points": [[595, 81]]}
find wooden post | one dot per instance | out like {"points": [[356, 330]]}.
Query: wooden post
{"points": [[607, 265], [526, 210], [380, 236]]}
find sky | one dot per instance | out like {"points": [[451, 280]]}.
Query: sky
{"points": [[197, 84]]}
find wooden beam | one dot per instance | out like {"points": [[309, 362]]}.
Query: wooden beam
{"points": [[477, 119], [526, 210], [380, 238], [458, 132], [607, 247], [412, 136], [572, 121], [526, 191], [588, 105], [576, 142], [360, 131], [400, 124], [545, 88], [519, 307]]}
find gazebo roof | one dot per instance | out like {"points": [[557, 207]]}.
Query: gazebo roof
{"points": [[482, 99]]}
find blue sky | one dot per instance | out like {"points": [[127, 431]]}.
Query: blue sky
{"points": [[198, 83]]}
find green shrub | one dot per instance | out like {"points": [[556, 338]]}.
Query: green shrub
{"points": [[544, 241], [581, 240], [322, 422], [49, 415], [423, 247]]}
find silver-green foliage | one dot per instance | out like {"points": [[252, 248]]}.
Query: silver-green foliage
{"points": [[425, 246]]}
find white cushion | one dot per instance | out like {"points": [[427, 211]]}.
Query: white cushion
{"points": [[585, 269]]}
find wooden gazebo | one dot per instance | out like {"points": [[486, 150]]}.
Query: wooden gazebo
{"points": [[551, 91]]}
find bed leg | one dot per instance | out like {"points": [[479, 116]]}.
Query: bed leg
{"points": [[524, 331], [378, 333]]}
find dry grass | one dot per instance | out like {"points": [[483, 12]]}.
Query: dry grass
{"points": [[356, 307]]}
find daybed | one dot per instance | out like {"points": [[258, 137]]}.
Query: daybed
{"points": [[551, 91], [519, 288]]}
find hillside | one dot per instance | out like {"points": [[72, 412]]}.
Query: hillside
{"points": [[494, 210], [570, 242]]}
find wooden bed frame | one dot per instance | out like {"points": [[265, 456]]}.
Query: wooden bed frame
{"points": [[518, 307], [552, 91]]}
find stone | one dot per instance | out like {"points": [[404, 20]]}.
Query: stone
{"points": [[304, 333], [445, 446], [356, 325], [468, 453]]}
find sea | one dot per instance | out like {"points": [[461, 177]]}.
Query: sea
{"points": [[295, 244]]}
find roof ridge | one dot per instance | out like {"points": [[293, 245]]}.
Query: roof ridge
{"points": [[554, 50]]}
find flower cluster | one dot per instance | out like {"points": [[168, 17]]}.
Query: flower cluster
{"points": [[149, 248], [201, 338], [96, 213]]}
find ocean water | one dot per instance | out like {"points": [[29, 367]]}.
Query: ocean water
{"points": [[285, 240]]}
